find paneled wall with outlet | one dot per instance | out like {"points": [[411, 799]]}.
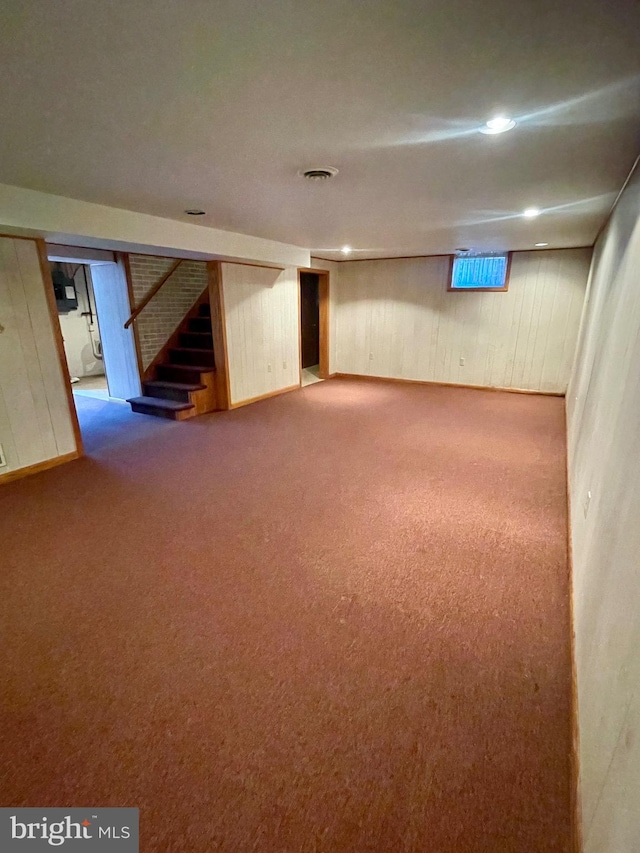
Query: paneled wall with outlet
{"points": [[395, 318], [261, 308]]}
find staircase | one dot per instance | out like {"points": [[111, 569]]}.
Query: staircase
{"points": [[183, 382]]}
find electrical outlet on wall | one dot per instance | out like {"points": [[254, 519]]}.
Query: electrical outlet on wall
{"points": [[268, 368], [461, 361], [370, 356], [587, 501], [284, 365], [3, 458]]}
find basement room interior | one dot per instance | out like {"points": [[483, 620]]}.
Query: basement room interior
{"points": [[319, 450]]}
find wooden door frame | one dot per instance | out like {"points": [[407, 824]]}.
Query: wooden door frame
{"points": [[324, 285], [56, 328], [118, 259], [219, 333]]}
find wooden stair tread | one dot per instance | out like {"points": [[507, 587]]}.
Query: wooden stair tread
{"points": [[175, 386], [160, 403], [200, 368], [208, 350], [203, 324]]}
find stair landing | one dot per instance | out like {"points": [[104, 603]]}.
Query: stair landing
{"points": [[162, 408]]}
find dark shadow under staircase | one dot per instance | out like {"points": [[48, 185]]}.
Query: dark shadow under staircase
{"points": [[183, 383]]}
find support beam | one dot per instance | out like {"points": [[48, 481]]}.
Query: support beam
{"points": [[70, 222], [218, 327]]}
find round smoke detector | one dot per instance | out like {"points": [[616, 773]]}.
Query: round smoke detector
{"points": [[322, 173]]}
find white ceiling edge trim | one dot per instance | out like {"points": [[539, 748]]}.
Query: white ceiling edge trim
{"points": [[71, 222]]}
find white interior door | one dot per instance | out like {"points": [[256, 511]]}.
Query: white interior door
{"points": [[118, 346]]}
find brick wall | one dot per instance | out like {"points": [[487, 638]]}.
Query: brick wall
{"points": [[167, 308]]}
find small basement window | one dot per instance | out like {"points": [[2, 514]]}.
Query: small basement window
{"points": [[480, 272]]}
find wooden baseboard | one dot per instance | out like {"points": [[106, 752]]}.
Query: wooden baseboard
{"points": [[28, 470], [368, 378], [576, 802], [264, 396]]}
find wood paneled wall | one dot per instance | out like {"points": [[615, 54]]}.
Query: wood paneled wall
{"points": [[261, 318], [603, 417], [395, 318], [35, 420]]}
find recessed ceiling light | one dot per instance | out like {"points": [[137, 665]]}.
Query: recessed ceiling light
{"points": [[500, 124], [192, 211], [346, 250], [531, 212], [541, 245]]}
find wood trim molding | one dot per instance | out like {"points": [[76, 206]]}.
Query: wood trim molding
{"points": [[219, 331], [389, 258], [47, 283], [607, 218], [28, 470], [250, 264], [323, 298], [300, 368], [576, 800], [20, 237], [441, 255], [123, 258], [369, 378], [503, 289], [549, 249], [264, 396]]}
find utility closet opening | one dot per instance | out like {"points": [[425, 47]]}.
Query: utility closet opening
{"points": [[78, 318], [91, 295], [314, 296]]}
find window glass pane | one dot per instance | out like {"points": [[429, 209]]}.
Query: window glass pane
{"points": [[479, 272]]}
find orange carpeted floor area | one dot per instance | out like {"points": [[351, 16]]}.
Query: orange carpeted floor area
{"points": [[335, 620]]}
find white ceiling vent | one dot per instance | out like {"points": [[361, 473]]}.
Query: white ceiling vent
{"points": [[319, 174]]}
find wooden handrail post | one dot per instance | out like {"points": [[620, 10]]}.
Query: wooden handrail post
{"points": [[174, 266]]}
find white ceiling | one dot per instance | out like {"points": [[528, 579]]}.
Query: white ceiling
{"points": [[161, 106]]}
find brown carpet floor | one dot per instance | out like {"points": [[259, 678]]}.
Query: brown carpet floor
{"points": [[336, 620]]}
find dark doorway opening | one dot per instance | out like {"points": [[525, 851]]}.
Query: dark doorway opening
{"points": [[314, 325], [310, 319], [92, 298]]}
